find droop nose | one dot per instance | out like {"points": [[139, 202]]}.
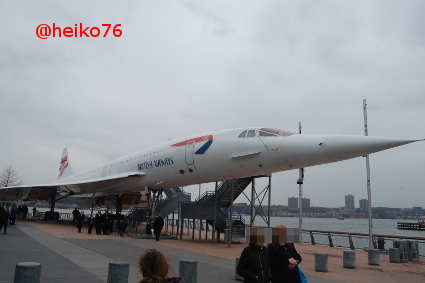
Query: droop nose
{"points": [[346, 147]]}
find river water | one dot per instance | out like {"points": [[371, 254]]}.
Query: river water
{"points": [[356, 225]]}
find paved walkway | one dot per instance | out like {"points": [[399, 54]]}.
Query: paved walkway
{"points": [[87, 260]]}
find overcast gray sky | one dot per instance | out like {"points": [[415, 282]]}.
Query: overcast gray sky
{"points": [[185, 67]]}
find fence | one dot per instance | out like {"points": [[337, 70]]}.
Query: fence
{"points": [[355, 240], [63, 216]]}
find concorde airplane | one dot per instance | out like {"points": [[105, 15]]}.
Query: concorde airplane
{"points": [[203, 158]]}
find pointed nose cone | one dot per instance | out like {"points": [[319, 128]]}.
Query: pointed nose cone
{"points": [[346, 147]]}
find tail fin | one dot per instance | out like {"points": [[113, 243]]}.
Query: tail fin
{"points": [[65, 169]]}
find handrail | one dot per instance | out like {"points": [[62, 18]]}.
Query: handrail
{"points": [[361, 234], [354, 241]]}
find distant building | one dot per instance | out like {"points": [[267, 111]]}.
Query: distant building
{"points": [[292, 203], [349, 202], [363, 204], [306, 203]]}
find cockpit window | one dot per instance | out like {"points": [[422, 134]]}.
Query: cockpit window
{"points": [[243, 134], [247, 133], [269, 132]]}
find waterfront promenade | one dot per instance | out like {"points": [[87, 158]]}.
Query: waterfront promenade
{"points": [[68, 256]]}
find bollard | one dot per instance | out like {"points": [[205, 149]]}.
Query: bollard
{"points": [[374, 257], [321, 262], [27, 272], [413, 250], [188, 270], [118, 272], [403, 247], [381, 243], [237, 276], [349, 259], [394, 255]]}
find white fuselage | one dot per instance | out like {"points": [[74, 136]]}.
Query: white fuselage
{"points": [[222, 155]]}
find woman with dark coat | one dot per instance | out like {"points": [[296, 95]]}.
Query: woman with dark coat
{"points": [[283, 259], [254, 264]]}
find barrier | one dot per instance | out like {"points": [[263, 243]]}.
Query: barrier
{"points": [[381, 243], [403, 246], [118, 272], [349, 259], [374, 256], [394, 255], [188, 270], [237, 276], [321, 262], [27, 272], [413, 250]]}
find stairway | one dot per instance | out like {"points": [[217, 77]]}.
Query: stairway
{"points": [[203, 207], [172, 201]]}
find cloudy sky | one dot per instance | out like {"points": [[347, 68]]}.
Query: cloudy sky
{"points": [[185, 67]]}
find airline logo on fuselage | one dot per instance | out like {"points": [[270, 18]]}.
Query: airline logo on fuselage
{"points": [[203, 149], [155, 163]]}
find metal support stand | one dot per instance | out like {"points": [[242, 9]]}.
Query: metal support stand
{"points": [[260, 197]]}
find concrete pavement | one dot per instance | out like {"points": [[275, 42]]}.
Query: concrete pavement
{"points": [[87, 260]]}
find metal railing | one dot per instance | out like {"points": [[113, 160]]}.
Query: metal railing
{"points": [[355, 240]]}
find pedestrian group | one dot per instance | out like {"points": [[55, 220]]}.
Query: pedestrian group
{"points": [[102, 222]]}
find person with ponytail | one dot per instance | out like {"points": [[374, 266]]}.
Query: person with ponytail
{"points": [[154, 267]]}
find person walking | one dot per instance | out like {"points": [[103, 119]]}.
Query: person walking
{"points": [[119, 225], [154, 267], [90, 221], [34, 211], [24, 211], [111, 222], [13, 214], [123, 227], [80, 220], [75, 215], [98, 222], [157, 226], [1, 217], [6, 217], [253, 264], [105, 223]]}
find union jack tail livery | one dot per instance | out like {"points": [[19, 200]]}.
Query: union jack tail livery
{"points": [[65, 169]]}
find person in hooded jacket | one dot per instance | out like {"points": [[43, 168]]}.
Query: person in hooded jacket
{"points": [[253, 264]]}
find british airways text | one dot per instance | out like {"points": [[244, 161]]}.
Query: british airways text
{"points": [[155, 163]]}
